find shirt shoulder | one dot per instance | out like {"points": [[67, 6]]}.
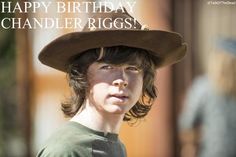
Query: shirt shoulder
{"points": [[69, 141], [62, 151]]}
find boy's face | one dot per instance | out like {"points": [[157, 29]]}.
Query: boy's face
{"points": [[114, 89]]}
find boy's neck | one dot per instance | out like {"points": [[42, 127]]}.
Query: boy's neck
{"points": [[104, 122]]}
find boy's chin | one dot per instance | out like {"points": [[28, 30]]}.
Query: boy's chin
{"points": [[117, 109]]}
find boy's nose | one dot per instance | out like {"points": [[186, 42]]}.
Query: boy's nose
{"points": [[120, 83]]}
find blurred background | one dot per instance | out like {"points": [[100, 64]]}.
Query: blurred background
{"points": [[30, 93]]}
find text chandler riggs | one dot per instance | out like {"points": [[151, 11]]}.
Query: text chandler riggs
{"points": [[32, 8]]}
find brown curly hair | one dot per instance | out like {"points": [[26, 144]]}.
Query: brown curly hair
{"points": [[77, 77]]}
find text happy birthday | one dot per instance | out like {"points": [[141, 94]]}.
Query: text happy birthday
{"points": [[59, 7]]}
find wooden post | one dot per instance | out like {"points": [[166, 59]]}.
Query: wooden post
{"points": [[24, 81]]}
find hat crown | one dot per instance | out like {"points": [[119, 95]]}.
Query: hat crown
{"points": [[108, 28], [106, 19]]}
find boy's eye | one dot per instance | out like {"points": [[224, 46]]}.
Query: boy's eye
{"points": [[106, 67], [133, 68]]}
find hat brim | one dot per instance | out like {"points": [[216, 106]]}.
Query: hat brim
{"points": [[166, 47]]}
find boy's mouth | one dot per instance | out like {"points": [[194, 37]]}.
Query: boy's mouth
{"points": [[119, 96]]}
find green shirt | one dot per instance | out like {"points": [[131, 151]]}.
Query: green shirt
{"points": [[76, 140]]}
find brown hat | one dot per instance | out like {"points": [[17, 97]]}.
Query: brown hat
{"points": [[116, 28]]}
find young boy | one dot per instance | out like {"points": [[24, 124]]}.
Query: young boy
{"points": [[111, 72]]}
